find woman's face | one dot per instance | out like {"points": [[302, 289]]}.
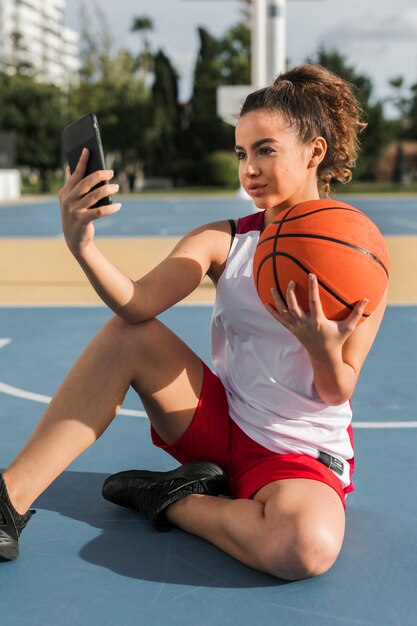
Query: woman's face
{"points": [[275, 169]]}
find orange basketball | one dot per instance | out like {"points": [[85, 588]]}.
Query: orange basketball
{"points": [[334, 241]]}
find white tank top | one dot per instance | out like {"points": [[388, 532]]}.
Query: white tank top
{"points": [[267, 372]]}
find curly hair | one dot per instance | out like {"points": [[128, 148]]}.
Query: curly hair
{"points": [[316, 102]]}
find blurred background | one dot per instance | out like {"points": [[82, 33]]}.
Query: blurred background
{"points": [[150, 70]]}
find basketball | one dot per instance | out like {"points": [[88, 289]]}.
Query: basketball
{"points": [[334, 241]]}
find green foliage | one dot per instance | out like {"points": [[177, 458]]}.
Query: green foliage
{"points": [[221, 169], [412, 114], [219, 61], [206, 79], [143, 124], [110, 88], [32, 111], [124, 112], [141, 24], [234, 51], [405, 101], [165, 121]]}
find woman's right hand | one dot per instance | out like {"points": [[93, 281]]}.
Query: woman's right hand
{"points": [[76, 199]]}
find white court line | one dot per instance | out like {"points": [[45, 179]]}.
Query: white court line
{"points": [[95, 305], [384, 424], [37, 397]]}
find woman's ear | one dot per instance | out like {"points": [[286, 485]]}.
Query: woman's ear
{"points": [[318, 151]]}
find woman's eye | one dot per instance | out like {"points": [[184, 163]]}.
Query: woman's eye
{"points": [[240, 155], [264, 151]]}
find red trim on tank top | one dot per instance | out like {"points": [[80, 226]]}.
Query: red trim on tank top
{"points": [[250, 222]]}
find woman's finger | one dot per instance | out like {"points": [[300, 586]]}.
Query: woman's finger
{"points": [[88, 200], [316, 309], [103, 191], [79, 171], [279, 303], [283, 316], [292, 302], [90, 215], [351, 321], [93, 180]]}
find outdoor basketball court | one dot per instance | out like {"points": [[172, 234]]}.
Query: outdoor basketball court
{"points": [[85, 561]]}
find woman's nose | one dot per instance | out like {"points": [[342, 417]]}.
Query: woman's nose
{"points": [[251, 168]]}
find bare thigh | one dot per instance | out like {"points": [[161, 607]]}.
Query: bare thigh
{"points": [[164, 371], [167, 375]]}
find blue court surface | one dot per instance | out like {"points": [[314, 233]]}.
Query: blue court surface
{"points": [[84, 561], [175, 216]]}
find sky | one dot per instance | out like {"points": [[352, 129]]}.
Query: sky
{"points": [[378, 37]]}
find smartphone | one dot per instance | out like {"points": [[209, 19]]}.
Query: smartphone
{"points": [[85, 133]]}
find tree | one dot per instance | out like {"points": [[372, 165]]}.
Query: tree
{"points": [[143, 25], [401, 102], [165, 116], [411, 114], [32, 111], [203, 131], [109, 86], [234, 50], [220, 61]]}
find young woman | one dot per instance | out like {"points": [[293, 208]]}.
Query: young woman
{"points": [[273, 422]]}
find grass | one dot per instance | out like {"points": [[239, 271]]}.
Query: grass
{"points": [[356, 187], [375, 187]]}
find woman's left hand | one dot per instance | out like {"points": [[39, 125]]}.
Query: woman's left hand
{"points": [[314, 330]]}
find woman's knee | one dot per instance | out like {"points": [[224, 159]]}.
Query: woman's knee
{"points": [[306, 553], [125, 345], [126, 335]]}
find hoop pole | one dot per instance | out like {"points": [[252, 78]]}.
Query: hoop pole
{"points": [[276, 61], [259, 44]]}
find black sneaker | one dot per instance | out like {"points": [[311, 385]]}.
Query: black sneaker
{"points": [[152, 492], [11, 525]]}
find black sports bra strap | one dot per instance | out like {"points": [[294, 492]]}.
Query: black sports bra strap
{"points": [[232, 228]]}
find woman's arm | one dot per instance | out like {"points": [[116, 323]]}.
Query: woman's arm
{"points": [[336, 374], [337, 350], [168, 283]]}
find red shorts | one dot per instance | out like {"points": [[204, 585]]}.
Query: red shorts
{"points": [[214, 436]]}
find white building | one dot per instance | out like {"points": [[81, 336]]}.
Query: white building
{"points": [[33, 36]]}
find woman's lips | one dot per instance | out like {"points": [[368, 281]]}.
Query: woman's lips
{"points": [[256, 190]]}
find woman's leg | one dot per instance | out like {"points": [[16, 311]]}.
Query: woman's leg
{"points": [[292, 528], [165, 372]]}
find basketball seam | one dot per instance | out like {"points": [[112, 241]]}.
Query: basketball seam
{"points": [[305, 269], [274, 265], [326, 238], [330, 208], [325, 287]]}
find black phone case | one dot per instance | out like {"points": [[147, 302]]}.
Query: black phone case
{"points": [[85, 133]]}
